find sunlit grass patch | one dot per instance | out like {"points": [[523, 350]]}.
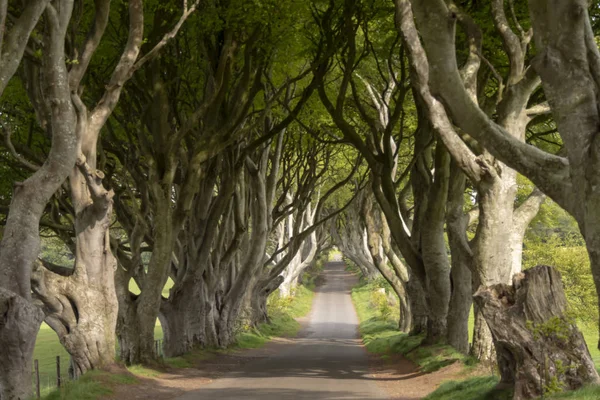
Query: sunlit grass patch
{"points": [[178, 362], [91, 386], [476, 388], [143, 371]]}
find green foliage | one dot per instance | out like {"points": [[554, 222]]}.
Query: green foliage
{"points": [[555, 327], [310, 275], [569, 255], [379, 301], [56, 252]]}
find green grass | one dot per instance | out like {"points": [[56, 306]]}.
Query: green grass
{"points": [[590, 393], [476, 388], [90, 386], [143, 371], [47, 347], [381, 336]]}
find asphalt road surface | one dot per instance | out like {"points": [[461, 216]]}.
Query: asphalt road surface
{"points": [[326, 361]]}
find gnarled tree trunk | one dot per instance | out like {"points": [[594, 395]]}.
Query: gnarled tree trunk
{"points": [[182, 317], [20, 244], [537, 344]]}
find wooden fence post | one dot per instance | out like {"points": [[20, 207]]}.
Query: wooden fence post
{"points": [[58, 372], [37, 378]]}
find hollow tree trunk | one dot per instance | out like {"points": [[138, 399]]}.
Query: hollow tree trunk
{"points": [[536, 343]]}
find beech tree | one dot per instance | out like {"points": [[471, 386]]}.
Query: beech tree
{"points": [[562, 177], [80, 302], [419, 236], [20, 241], [554, 174], [500, 222]]}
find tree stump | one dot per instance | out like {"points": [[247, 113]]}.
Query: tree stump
{"points": [[538, 346]]}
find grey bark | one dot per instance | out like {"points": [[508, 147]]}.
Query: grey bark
{"points": [[394, 272], [13, 42], [537, 344], [494, 181], [462, 286], [350, 237], [21, 243], [81, 306], [433, 247]]}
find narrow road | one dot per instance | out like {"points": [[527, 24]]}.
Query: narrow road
{"points": [[326, 361]]}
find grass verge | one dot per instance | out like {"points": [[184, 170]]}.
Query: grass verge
{"points": [[378, 316], [91, 386]]}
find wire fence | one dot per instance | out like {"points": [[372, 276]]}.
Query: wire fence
{"points": [[51, 374]]}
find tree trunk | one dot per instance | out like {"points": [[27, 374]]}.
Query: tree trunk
{"points": [[483, 345], [462, 285], [136, 335], [539, 348], [460, 307], [492, 261], [418, 306], [81, 304], [182, 318], [435, 257], [21, 241], [18, 330], [139, 313], [258, 301], [591, 233]]}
